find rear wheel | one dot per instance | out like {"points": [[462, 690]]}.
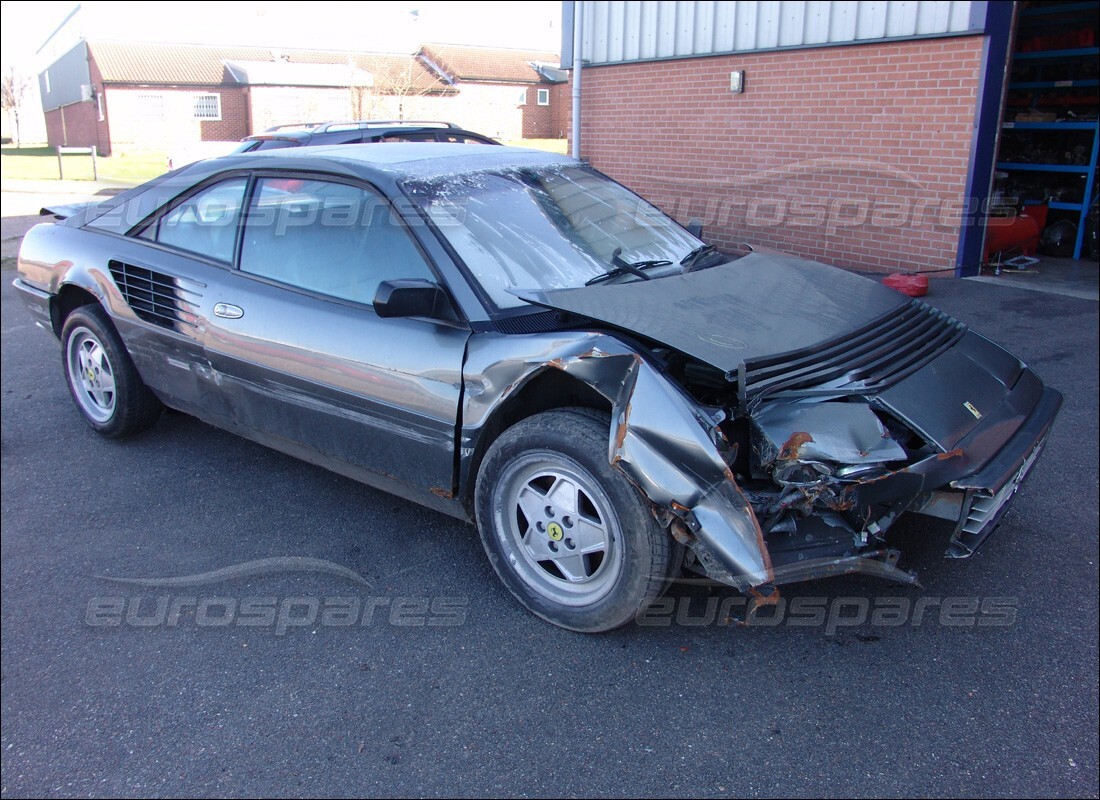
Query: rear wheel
{"points": [[567, 533], [102, 378]]}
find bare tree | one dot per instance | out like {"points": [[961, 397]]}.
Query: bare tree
{"points": [[394, 80], [15, 87]]}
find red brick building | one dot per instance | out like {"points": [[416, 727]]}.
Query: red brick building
{"points": [[118, 95], [507, 78], [860, 134]]}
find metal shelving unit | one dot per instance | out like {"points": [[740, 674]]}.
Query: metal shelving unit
{"points": [[1071, 52], [1065, 65], [1047, 9], [1088, 170]]}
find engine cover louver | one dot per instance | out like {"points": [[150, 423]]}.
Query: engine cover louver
{"points": [[157, 298], [869, 359]]}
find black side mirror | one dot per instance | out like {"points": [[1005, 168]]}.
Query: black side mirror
{"points": [[414, 297], [695, 227]]}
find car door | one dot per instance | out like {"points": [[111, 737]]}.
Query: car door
{"points": [[303, 357], [163, 270]]}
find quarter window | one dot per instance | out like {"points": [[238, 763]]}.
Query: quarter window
{"points": [[205, 223], [330, 238]]}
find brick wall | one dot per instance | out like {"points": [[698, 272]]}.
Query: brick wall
{"points": [[103, 126], [490, 109], [234, 124], [855, 156], [74, 125], [162, 117], [561, 106], [288, 105], [549, 121], [537, 120]]}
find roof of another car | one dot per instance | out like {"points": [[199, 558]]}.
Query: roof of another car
{"points": [[421, 159]]}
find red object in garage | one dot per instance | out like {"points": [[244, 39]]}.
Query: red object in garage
{"points": [[1020, 233], [912, 285]]}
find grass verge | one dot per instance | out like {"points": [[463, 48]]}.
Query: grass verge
{"points": [[40, 164]]}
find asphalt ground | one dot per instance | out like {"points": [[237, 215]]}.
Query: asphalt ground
{"points": [[981, 682]]}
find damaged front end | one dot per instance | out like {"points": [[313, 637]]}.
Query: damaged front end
{"points": [[813, 432], [671, 448], [952, 435]]}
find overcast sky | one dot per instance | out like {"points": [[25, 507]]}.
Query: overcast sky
{"points": [[382, 26]]}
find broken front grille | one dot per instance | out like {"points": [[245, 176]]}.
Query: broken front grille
{"points": [[157, 298], [867, 360]]}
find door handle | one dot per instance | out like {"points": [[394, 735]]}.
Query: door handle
{"points": [[228, 311]]}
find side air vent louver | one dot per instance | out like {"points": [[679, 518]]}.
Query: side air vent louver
{"points": [[157, 298], [869, 359]]}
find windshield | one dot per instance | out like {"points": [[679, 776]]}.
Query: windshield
{"points": [[546, 228]]}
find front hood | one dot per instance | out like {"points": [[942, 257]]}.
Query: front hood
{"points": [[786, 329], [760, 305]]}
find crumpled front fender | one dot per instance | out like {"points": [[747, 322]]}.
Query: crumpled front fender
{"points": [[659, 438]]}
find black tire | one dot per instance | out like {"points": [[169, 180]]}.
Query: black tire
{"points": [[551, 458], [113, 400]]}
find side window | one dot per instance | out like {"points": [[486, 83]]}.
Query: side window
{"points": [[205, 223], [420, 136], [331, 238], [460, 139]]}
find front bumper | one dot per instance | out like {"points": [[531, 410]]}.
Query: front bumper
{"points": [[989, 491]]}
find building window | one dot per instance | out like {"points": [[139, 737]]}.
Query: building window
{"points": [[208, 106], [522, 99], [544, 97], [150, 109], [48, 82]]}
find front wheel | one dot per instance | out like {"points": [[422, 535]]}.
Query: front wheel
{"points": [[102, 378], [567, 533]]}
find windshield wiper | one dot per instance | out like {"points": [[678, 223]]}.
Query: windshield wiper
{"points": [[689, 261], [620, 267]]}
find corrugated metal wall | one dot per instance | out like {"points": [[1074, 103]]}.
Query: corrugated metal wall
{"points": [[67, 75], [635, 31]]}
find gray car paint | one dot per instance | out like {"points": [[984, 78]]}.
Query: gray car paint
{"points": [[753, 307], [314, 388]]}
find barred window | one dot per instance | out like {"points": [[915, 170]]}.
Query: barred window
{"points": [[208, 106]]}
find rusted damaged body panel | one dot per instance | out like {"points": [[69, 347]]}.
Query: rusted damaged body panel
{"points": [[907, 411], [825, 478], [667, 445]]}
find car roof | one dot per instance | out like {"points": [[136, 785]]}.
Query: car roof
{"points": [[293, 136], [373, 162], [373, 129], [415, 159]]}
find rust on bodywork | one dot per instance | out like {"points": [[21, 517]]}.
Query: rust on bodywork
{"points": [[792, 448], [621, 428], [680, 532], [760, 599]]}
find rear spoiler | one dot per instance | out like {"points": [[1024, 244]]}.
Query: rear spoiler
{"points": [[65, 211]]}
